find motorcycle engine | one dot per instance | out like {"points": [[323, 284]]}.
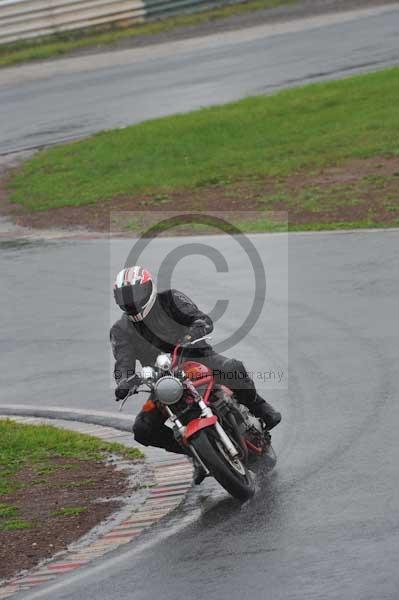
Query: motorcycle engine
{"points": [[250, 426], [251, 422]]}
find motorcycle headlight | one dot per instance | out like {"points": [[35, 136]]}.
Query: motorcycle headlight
{"points": [[168, 390]]}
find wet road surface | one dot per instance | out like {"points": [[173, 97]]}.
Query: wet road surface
{"points": [[54, 101], [325, 524]]}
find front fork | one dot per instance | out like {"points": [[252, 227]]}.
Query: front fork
{"points": [[205, 412], [179, 430]]}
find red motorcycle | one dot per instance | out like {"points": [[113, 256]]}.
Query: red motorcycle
{"points": [[219, 434]]}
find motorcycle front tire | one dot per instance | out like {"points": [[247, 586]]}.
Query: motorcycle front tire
{"points": [[240, 485]]}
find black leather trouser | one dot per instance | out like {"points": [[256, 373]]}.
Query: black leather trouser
{"points": [[149, 430]]}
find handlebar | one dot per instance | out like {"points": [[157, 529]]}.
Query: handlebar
{"points": [[183, 345], [134, 381], [201, 339]]}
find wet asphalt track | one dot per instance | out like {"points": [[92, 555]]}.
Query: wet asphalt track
{"points": [[325, 525], [50, 102]]}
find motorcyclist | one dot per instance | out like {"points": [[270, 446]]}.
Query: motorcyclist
{"points": [[154, 322]]}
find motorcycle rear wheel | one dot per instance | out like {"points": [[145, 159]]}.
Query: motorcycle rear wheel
{"points": [[233, 476]]}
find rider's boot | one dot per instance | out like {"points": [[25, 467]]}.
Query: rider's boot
{"points": [[265, 411]]}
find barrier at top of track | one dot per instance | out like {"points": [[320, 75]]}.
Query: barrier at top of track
{"points": [[24, 19]]}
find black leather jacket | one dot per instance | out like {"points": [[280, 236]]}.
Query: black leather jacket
{"points": [[168, 321]]}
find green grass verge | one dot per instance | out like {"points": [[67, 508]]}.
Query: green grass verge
{"points": [[306, 128], [14, 525], [32, 445], [68, 512], [60, 44], [261, 226], [7, 511]]}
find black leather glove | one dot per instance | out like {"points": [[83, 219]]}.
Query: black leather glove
{"points": [[196, 330], [120, 393], [127, 386]]}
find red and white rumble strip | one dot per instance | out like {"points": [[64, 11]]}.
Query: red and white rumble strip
{"points": [[171, 479]]}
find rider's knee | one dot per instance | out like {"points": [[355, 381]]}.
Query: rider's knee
{"points": [[142, 432], [238, 365], [241, 381], [236, 368]]}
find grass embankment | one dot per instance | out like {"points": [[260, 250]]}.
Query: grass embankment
{"points": [[102, 37], [40, 451], [326, 153], [55, 486]]}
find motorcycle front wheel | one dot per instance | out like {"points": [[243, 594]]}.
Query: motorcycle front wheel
{"points": [[232, 474]]}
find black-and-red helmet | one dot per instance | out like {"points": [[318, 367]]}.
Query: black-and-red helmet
{"points": [[135, 292]]}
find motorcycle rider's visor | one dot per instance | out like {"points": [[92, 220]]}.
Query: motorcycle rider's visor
{"points": [[132, 299]]}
